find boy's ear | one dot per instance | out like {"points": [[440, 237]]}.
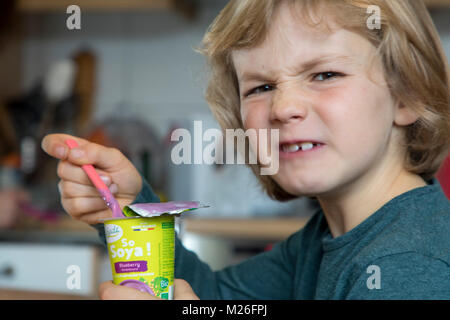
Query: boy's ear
{"points": [[404, 116]]}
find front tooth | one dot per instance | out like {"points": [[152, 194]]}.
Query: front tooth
{"points": [[307, 146], [292, 148]]}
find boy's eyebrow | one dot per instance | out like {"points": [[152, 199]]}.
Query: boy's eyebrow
{"points": [[303, 67]]}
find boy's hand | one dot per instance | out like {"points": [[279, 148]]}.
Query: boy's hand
{"points": [[110, 291], [79, 197]]}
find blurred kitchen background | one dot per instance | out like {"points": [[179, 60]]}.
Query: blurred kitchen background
{"points": [[126, 79]]}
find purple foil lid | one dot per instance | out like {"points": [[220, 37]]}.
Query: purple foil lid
{"points": [[171, 207]]}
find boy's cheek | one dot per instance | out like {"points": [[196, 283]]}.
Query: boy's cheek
{"points": [[255, 117]]}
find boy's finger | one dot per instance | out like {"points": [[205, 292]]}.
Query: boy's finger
{"points": [[104, 288], [110, 291], [71, 172], [95, 217], [70, 189], [183, 290], [55, 144], [100, 156], [89, 209], [86, 152], [80, 206]]}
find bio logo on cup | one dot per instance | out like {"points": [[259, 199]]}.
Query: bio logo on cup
{"points": [[113, 233]]}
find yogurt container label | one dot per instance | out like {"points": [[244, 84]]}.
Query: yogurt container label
{"points": [[141, 245], [141, 252]]}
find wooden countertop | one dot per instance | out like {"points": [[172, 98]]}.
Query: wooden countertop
{"points": [[267, 229], [10, 294]]}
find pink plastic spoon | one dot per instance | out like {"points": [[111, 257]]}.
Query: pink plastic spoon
{"points": [[107, 196]]}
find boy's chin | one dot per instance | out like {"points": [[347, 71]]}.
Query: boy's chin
{"points": [[302, 188]]}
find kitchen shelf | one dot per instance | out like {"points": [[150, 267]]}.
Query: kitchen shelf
{"points": [[264, 229], [120, 5], [11, 294], [33, 6], [186, 8], [57, 5], [437, 3]]}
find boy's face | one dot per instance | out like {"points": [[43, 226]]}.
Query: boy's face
{"points": [[316, 86]]}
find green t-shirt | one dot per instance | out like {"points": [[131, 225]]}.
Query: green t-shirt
{"points": [[402, 251]]}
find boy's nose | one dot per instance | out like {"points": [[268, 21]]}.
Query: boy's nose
{"points": [[287, 106]]}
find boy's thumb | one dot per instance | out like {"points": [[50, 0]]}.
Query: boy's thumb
{"points": [[100, 156], [82, 152]]}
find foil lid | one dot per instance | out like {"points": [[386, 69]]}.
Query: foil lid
{"points": [[157, 209]]}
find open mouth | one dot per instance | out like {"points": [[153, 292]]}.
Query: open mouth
{"points": [[299, 147]]}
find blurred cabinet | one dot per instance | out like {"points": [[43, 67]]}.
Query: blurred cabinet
{"points": [[40, 270]]}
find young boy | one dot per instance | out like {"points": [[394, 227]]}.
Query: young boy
{"points": [[374, 105]]}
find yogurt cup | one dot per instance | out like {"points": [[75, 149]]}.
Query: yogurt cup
{"points": [[141, 246], [142, 253]]}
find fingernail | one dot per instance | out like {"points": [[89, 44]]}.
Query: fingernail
{"points": [[105, 179], [114, 188], [60, 152], [76, 153]]}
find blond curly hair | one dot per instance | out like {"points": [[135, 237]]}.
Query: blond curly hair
{"points": [[414, 62]]}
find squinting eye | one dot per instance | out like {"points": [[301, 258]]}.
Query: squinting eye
{"points": [[324, 76], [260, 89]]}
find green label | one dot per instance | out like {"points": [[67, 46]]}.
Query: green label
{"points": [[167, 225]]}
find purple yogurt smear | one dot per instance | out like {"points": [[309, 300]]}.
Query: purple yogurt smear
{"points": [[138, 285], [111, 202]]}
